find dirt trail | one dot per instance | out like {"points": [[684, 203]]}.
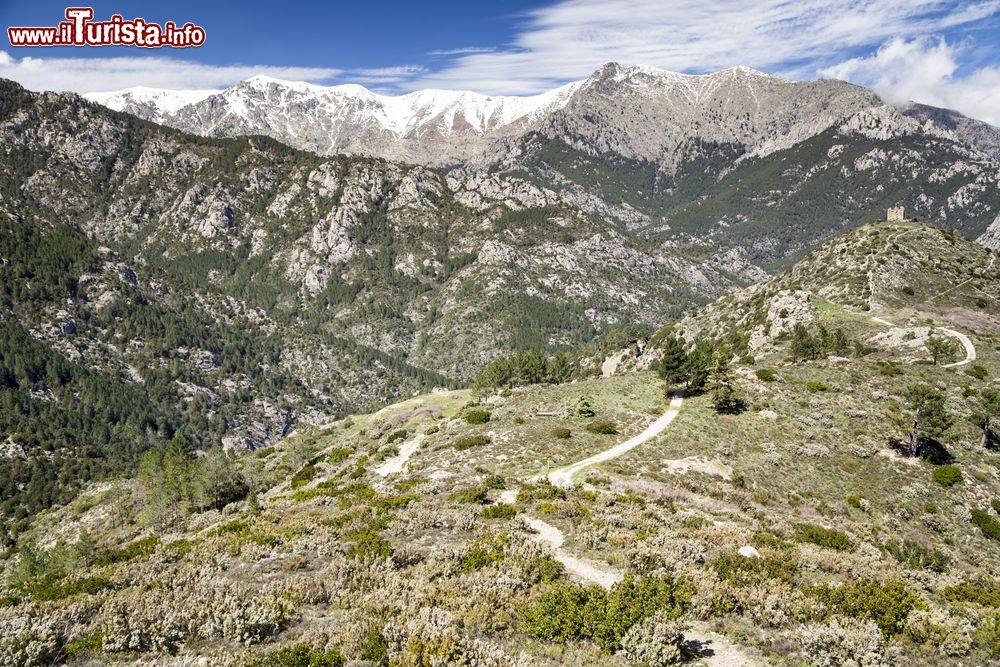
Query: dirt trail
{"points": [[717, 651], [970, 349], [396, 463], [563, 477]]}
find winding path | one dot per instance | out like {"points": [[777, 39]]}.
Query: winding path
{"points": [[563, 477], [970, 349], [717, 650], [585, 569]]}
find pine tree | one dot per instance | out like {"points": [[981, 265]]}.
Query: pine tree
{"points": [[841, 343], [939, 348], [698, 366], [930, 415], [560, 368], [253, 505], [584, 408], [725, 397], [990, 399], [673, 363], [167, 482], [804, 345]]}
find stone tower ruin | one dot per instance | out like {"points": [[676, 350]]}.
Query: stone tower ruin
{"points": [[895, 214]]}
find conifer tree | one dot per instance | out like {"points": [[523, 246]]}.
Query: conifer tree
{"points": [[673, 363], [725, 396], [584, 408], [698, 366], [930, 415]]}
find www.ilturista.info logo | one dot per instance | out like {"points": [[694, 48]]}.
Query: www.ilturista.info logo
{"points": [[79, 29]]}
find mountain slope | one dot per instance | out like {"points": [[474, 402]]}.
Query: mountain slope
{"points": [[738, 158], [794, 530], [904, 272], [345, 282]]}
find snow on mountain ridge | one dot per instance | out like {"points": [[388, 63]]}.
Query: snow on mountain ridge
{"points": [[163, 100], [398, 114]]}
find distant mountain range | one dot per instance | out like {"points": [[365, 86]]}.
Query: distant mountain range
{"points": [[644, 147], [740, 105]]}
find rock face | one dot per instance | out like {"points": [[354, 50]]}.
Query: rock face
{"points": [[991, 237], [644, 113], [787, 308]]}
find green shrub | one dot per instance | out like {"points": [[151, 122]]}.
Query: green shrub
{"points": [[917, 556], [986, 523], [396, 435], [815, 386], [561, 433], [831, 538], [338, 455], [495, 482], [854, 501], [375, 648], [988, 636], [304, 476], [469, 441], [767, 539], [368, 545], [499, 511], [432, 429], [390, 503], [546, 569], [887, 604], [889, 368], [300, 655], [947, 475], [484, 551], [995, 504], [229, 528], [137, 549], [977, 372], [983, 591], [474, 495], [88, 646], [50, 588], [410, 484], [569, 612], [544, 490], [766, 374], [476, 416], [751, 571], [264, 453], [602, 427]]}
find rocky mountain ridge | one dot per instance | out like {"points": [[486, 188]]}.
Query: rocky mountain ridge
{"points": [[426, 126]]}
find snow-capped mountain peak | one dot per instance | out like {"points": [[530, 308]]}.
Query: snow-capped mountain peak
{"points": [[150, 103]]}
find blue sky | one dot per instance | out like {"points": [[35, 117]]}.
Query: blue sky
{"points": [[937, 52]]}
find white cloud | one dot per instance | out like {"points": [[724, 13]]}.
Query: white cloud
{"points": [[571, 38], [462, 51], [83, 75], [924, 70], [385, 75]]}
